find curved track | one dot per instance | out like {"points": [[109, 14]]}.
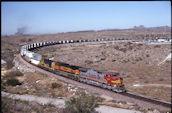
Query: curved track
{"points": [[140, 100]]}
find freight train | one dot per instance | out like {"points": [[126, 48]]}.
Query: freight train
{"points": [[101, 78]]}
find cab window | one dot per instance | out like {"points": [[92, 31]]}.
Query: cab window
{"points": [[108, 76], [115, 75]]}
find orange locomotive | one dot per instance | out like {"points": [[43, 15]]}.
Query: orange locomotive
{"points": [[65, 67]]}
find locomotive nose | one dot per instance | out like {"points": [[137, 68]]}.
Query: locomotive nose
{"points": [[117, 81]]}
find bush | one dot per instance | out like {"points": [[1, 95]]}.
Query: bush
{"points": [[147, 55], [5, 105], [23, 40], [138, 59], [55, 85], [103, 58], [83, 104], [123, 49], [9, 65], [146, 81], [89, 62], [161, 79], [125, 61], [13, 74], [116, 47], [113, 60], [130, 47], [29, 40], [140, 45], [157, 46], [13, 82]]}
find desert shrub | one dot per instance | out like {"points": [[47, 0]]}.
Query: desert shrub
{"points": [[138, 59], [103, 53], [29, 40], [8, 56], [55, 85], [161, 79], [9, 65], [103, 58], [13, 74], [13, 82], [23, 40], [140, 45], [88, 62], [5, 105], [129, 43], [146, 81], [157, 46], [59, 95], [147, 55], [17, 73], [113, 60], [116, 47], [122, 102], [141, 76], [123, 49], [3, 86], [45, 55], [168, 61], [125, 61], [82, 104]]}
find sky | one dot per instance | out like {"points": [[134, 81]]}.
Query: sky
{"points": [[56, 17]]}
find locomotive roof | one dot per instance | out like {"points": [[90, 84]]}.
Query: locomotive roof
{"points": [[68, 65], [99, 71], [113, 73]]}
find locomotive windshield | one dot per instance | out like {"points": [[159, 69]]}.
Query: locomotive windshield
{"points": [[116, 75]]}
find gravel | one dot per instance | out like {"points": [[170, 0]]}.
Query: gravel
{"points": [[108, 109]]}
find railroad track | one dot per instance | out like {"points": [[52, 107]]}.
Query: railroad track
{"points": [[144, 98], [127, 96]]}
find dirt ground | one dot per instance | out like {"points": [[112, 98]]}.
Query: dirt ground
{"points": [[18, 106], [137, 63], [40, 85]]}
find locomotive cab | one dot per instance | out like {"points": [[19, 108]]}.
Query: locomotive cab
{"points": [[114, 80]]}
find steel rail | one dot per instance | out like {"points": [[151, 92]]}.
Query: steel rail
{"points": [[148, 99]]}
